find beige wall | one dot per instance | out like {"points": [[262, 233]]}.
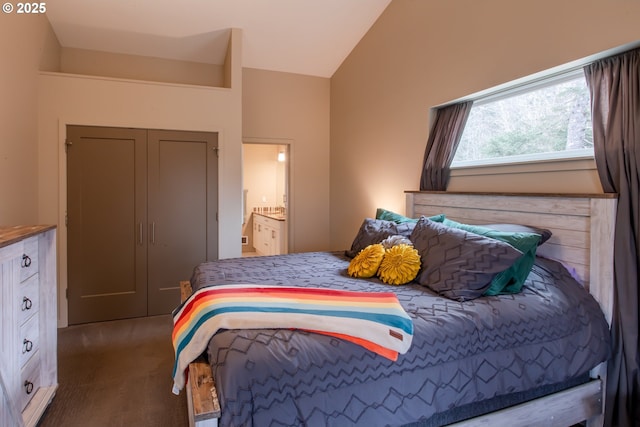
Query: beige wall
{"points": [[37, 108], [94, 63], [68, 99], [86, 100], [420, 54], [294, 109], [27, 44]]}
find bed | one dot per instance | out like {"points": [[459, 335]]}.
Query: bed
{"points": [[478, 365]]}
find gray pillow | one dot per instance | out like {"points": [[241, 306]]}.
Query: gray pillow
{"points": [[375, 231], [458, 264]]}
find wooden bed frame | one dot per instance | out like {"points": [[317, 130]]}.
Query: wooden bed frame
{"points": [[583, 231]]}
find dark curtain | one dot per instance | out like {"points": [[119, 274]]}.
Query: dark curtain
{"points": [[614, 84], [442, 144]]}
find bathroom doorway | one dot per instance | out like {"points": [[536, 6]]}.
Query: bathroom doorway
{"points": [[266, 215]]}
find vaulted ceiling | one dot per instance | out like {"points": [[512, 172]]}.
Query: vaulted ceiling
{"points": [[309, 37]]}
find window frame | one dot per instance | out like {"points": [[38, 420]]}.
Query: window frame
{"points": [[515, 88]]}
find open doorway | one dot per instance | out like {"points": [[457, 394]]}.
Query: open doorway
{"points": [[266, 220]]}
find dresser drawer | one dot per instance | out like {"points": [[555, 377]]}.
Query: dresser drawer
{"points": [[29, 381], [28, 327], [29, 259], [269, 221], [29, 339], [28, 298]]}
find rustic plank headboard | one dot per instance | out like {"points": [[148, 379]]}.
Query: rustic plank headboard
{"points": [[582, 226]]}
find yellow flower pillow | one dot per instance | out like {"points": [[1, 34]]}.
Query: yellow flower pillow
{"points": [[366, 263], [400, 265]]}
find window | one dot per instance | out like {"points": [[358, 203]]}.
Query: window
{"points": [[547, 119]]}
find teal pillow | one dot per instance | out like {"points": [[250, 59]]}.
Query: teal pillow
{"points": [[510, 281], [401, 219]]}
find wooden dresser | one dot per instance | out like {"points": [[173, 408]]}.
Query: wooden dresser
{"points": [[28, 324]]}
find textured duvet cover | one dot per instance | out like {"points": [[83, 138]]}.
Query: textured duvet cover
{"points": [[461, 352]]}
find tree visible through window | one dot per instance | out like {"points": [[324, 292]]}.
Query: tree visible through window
{"points": [[550, 118]]}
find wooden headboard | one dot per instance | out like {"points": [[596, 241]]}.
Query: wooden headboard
{"points": [[582, 227]]}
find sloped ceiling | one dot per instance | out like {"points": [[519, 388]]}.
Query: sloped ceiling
{"points": [[310, 37]]}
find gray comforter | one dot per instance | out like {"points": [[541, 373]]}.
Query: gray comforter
{"points": [[461, 352]]}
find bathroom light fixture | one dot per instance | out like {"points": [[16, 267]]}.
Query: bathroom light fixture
{"points": [[281, 157]]}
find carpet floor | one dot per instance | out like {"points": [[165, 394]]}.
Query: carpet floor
{"points": [[115, 374]]}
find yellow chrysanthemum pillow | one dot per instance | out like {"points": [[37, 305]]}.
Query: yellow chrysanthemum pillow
{"points": [[400, 265], [366, 263]]}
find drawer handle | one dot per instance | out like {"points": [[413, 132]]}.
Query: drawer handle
{"points": [[26, 261], [27, 346], [26, 304], [28, 387]]}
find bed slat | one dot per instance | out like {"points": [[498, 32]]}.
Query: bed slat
{"points": [[202, 398], [556, 410], [566, 222], [204, 395], [509, 203]]}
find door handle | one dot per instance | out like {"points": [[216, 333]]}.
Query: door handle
{"points": [[140, 234], [153, 233]]}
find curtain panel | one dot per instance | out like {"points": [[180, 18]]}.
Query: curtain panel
{"points": [[614, 84], [442, 144]]}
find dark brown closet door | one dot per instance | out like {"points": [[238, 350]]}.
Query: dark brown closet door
{"points": [[183, 204], [106, 211], [142, 212]]}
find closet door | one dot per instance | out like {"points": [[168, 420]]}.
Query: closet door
{"points": [[106, 213], [182, 216]]}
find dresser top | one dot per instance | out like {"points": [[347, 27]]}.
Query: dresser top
{"points": [[10, 235]]}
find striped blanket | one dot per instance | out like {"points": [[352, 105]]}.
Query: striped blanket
{"points": [[376, 321]]}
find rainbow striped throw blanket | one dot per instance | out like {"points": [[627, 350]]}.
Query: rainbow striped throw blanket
{"points": [[375, 320]]}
